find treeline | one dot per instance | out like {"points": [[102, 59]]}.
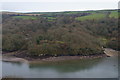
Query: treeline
{"points": [[59, 37]]}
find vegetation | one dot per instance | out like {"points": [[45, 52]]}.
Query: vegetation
{"points": [[113, 14], [94, 16], [51, 18], [60, 34], [25, 17]]}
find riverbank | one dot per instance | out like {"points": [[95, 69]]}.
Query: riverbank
{"points": [[50, 59], [9, 57]]}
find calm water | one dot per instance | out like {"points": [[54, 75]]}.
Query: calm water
{"points": [[87, 68]]}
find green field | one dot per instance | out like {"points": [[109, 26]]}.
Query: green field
{"points": [[26, 17], [71, 12], [113, 14], [51, 18], [94, 16]]}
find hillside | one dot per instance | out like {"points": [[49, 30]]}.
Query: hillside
{"points": [[60, 33]]}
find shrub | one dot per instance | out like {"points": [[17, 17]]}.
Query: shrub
{"points": [[13, 42]]}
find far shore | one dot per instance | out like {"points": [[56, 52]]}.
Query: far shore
{"points": [[8, 57], [50, 59]]}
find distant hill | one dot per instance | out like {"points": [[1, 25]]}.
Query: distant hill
{"points": [[19, 14]]}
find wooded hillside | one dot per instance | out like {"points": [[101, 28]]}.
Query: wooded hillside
{"points": [[61, 33]]}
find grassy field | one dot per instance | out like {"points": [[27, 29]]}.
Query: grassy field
{"points": [[71, 12], [94, 16], [113, 14], [25, 17], [51, 18]]}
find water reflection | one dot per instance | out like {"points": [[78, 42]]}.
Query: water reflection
{"points": [[67, 66], [87, 68], [14, 63]]}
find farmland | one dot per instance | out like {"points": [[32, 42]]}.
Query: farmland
{"points": [[114, 14], [94, 16], [25, 17]]}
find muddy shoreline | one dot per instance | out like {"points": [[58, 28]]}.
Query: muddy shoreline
{"points": [[9, 57]]}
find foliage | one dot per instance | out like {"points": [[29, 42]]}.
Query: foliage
{"points": [[113, 44], [77, 33], [13, 42]]}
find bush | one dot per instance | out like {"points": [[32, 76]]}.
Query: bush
{"points": [[13, 42], [113, 44], [50, 49]]}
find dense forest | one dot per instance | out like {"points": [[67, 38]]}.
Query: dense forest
{"points": [[60, 33]]}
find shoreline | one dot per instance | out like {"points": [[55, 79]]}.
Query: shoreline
{"points": [[10, 58], [66, 58]]}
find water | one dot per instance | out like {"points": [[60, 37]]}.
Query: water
{"points": [[87, 68]]}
